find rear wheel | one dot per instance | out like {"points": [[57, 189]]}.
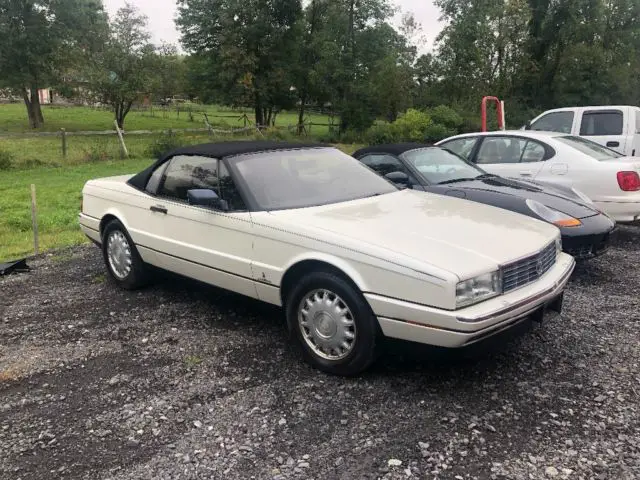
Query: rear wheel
{"points": [[333, 324], [123, 262]]}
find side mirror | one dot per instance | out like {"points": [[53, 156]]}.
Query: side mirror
{"points": [[527, 126], [399, 178], [205, 197]]}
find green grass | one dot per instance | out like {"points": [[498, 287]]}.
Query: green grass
{"points": [[58, 197], [13, 118], [59, 192], [59, 180]]}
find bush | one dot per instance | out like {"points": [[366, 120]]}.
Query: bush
{"points": [[446, 116], [165, 143], [381, 133], [6, 160], [412, 126], [436, 132]]}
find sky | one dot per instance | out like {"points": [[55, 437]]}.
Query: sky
{"points": [[162, 12]]}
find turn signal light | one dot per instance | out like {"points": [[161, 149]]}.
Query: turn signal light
{"points": [[568, 222], [629, 181]]}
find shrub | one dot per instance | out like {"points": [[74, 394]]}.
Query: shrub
{"points": [[381, 133], [164, 143], [436, 132], [6, 160], [412, 126], [446, 116]]}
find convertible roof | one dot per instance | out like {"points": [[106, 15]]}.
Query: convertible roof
{"points": [[218, 150], [393, 148]]}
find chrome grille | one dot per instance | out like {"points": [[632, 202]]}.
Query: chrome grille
{"points": [[528, 270]]}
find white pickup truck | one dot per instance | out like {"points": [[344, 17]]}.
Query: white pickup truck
{"points": [[616, 127]]}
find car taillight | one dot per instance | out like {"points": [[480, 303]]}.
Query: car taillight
{"points": [[629, 181]]}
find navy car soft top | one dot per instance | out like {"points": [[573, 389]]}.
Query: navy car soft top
{"points": [[218, 150]]}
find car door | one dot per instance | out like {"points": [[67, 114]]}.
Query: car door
{"points": [[509, 156], [606, 127], [208, 244]]}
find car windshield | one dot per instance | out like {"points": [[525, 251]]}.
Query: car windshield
{"points": [[593, 149], [301, 178], [438, 165]]}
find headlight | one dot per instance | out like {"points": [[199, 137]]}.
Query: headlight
{"points": [[582, 196], [558, 245], [559, 219], [477, 289]]}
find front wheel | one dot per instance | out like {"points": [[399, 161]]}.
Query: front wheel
{"points": [[333, 324], [123, 262]]}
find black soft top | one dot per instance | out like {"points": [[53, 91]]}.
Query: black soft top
{"points": [[218, 150], [392, 148]]}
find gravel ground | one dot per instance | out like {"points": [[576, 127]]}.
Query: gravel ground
{"points": [[184, 381]]}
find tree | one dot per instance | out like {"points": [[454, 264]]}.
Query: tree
{"points": [[123, 71], [245, 46], [41, 39], [170, 73]]}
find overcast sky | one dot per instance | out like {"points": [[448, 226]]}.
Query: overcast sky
{"points": [[162, 12]]}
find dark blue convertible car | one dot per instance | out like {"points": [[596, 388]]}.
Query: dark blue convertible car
{"points": [[586, 231]]}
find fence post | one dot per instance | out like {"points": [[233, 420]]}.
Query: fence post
{"points": [[34, 220], [63, 134], [125, 152]]}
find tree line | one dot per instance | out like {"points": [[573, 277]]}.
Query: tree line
{"points": [[348, 56]]}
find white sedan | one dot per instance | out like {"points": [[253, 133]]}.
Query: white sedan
{"points": [[610, 180], [348, 255]]}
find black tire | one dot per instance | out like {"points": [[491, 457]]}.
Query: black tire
{"points": [[367, 330], [138, 276]]}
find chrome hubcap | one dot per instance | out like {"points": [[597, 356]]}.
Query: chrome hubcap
{"points": [[327, 324], [119, 254]]}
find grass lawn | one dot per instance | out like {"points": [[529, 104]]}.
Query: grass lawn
{"points": [[58, 196], [13, 118]]}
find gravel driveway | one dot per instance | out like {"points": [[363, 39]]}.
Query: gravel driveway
{"points": [[183, 381]]}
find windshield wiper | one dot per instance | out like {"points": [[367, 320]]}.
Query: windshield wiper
{"points": [[456, 180], [485, 175]]}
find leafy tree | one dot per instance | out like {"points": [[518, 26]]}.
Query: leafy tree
{"points": [[124, 70], [245, 47], [42, 40], [170, 73]]}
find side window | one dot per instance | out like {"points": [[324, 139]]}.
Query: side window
{"points": [[462, 146], [155, 179], [554, 122], [186, 172], [384, 164], [506, 150], [602, 123], [229, 191], [533, 152]]}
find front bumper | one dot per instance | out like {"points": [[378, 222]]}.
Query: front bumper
{"points": [[588, 246], [453, 329]]}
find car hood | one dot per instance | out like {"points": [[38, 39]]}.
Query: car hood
{"points": [[419, 228], [499, 191]]}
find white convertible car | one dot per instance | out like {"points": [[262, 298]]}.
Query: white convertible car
{"points": [[609, 179], [348, 255]]}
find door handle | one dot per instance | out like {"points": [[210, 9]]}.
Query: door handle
{"points": [[526, 173], [613, 144], [159, 209]]}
